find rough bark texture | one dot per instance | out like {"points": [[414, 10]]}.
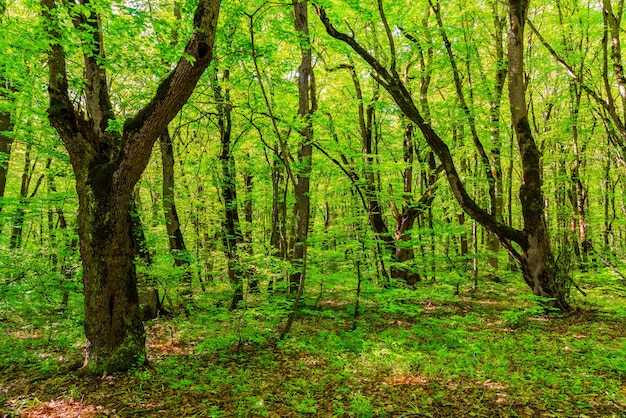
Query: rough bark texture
{"points": [[107, 166]]}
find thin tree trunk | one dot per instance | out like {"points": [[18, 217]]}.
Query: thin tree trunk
{"points": [[149, 301], [496, 201], [6, 125], [176, 240], [64, 248], [17, 233], [5, 150], [248, 179], [306, 107], [232, 237]]}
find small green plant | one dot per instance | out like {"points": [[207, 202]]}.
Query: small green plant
{"points": [[361, 406], [306, 405], [518, 318]]}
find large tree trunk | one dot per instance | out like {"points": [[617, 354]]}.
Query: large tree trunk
{"points": [[107, 166], [113, 327]]}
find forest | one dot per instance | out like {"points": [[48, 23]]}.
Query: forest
{"points": [[312, 208]]}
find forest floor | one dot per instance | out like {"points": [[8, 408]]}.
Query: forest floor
{"points": [[409, 353]]}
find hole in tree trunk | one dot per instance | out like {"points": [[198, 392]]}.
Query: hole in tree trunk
{"points": [[203, 49]]}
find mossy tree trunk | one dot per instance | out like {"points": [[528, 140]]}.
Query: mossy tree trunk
{"points": [[107, 165]]}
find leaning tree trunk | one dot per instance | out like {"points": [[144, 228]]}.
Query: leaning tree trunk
{"points": [[107, 165]]}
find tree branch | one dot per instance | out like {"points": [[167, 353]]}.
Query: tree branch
{"points": [[141, 131], [396, 88]]}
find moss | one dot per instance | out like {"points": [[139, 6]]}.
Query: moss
{"points": [[100, 176], [130, 353]]}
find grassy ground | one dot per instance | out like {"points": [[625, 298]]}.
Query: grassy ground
{"points": [[421, 353]]}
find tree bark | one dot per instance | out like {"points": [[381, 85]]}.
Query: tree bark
{"points": [[107, 165], [536, 261], [306, 107], [6, 140], [6, 126], [496, 201], [176, 240]]}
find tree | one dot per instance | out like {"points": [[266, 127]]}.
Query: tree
{"points": [[232, 238], [534, 255], [176, 240], [6, 124], [107, 163], [307, 105]]}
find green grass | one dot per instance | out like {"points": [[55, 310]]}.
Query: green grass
{"points": [[419, 353]]}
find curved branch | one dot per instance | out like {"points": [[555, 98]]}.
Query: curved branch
{"points": [[141, 131], [610, 109], [398, 91]]}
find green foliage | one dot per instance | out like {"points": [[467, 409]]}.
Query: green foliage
{"points": [[458, 355], [408, 351]]}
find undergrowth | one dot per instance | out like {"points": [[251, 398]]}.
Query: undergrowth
{"points": [[430, 352]]}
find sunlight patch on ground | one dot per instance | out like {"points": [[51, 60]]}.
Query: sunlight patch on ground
{"points": [[25, 334], [310, 361], [405, 379], [490, 384], [161, 341], [61, 408]]}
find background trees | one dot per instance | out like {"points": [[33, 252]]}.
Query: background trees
{"points": [[411, 133]]}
